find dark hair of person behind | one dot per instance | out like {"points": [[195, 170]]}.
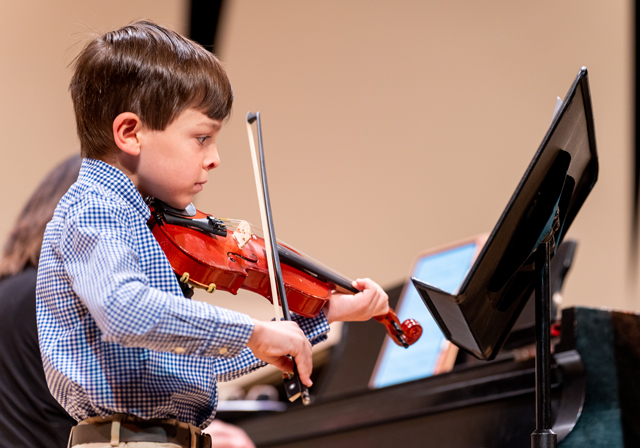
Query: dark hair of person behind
{"points": [[22, 248], [148, 70]]}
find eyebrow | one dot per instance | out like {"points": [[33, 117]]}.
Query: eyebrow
{"points": [[214, 125]]}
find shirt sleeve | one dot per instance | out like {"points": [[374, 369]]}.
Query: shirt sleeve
{"points": [[105, 269], [315, 329]]}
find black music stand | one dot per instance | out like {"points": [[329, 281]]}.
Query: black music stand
{"points": [[515, 259]]}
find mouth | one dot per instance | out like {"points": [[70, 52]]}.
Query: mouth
{"points": [[200, 185]]}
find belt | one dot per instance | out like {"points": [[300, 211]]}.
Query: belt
{"points": [[128, 428]]}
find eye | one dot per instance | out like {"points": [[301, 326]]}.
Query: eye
{"points": [[202, 139]]}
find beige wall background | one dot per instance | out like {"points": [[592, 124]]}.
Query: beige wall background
{"points": [[390, 127]]}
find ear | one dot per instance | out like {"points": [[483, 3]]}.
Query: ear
{"points": [[126, 128]]}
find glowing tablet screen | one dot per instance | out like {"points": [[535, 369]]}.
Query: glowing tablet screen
{"points": [[446, 270]]}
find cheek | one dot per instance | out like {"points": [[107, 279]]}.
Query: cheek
{"points": [[187, 169]]}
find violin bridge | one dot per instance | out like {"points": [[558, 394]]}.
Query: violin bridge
{"points": [[242, 234]]}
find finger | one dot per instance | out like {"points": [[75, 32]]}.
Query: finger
{"points": [[283, 363], [375, 295], [381, 300], [364, 284], [370, 289], [384, 303], [304, 362], [359, 283], [305, 378]]}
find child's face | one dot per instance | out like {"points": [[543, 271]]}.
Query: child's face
{"points": [[174, 164]]}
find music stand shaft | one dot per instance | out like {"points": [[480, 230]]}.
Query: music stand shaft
{"points": [[543, 436]]}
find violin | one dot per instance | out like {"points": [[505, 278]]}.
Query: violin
{"points": [[228, 255]]}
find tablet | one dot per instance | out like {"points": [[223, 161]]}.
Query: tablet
{"points": [[446, 268]]}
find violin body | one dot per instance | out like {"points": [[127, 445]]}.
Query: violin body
{"points": [[228, 255], [216, 262]]}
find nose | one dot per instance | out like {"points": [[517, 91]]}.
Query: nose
{"points": [[213, 159]]}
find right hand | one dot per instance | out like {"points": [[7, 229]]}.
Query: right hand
{"points": [[273, 341]]}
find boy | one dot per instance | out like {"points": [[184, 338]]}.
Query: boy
{"points": [[124, 352]]}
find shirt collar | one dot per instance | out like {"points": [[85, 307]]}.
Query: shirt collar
{"points": [[97, 172]]}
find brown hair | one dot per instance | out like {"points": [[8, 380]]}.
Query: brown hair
{"points": [[148, 70], [25, 240]]}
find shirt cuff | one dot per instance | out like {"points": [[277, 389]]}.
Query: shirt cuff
{"points": [[315, 328], [230, 335]]}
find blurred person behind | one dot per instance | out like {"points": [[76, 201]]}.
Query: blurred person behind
{"points": [[29, 415]]}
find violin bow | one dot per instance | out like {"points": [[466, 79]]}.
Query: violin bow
{"points": [[293, 386]]}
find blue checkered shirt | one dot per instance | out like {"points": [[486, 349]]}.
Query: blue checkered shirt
{"points": [[116, 333]]}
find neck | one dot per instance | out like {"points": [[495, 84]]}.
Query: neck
{"points": [[128, 165]]}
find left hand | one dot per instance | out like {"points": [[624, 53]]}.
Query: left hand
{"points": [[369, 302], [224, 435]]}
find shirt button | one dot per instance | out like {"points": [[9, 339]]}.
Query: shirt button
{"points": [[179, 350], [223, 350]]}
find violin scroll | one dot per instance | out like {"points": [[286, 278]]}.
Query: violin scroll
{"points": [[403, 334]]}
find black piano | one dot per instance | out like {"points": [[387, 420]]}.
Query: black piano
{"points": [[595, 392]]}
